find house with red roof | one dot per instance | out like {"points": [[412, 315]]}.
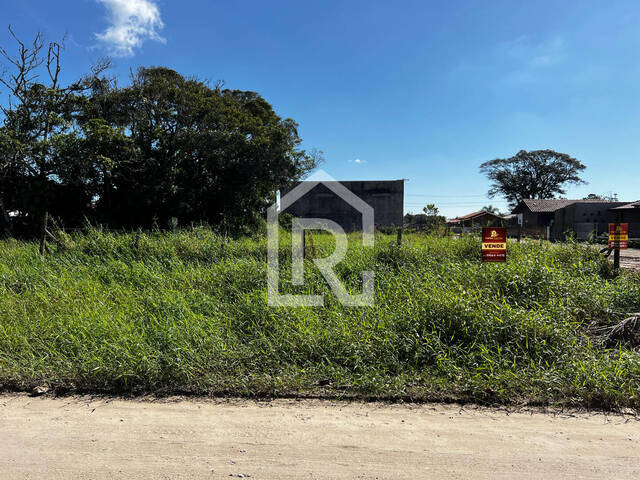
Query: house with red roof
{"points": [[474, 221]]}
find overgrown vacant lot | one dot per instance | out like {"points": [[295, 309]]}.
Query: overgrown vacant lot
{"points": [[187, 312]]}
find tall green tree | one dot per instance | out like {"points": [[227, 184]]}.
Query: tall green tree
{"points": [[433, 219], [91, 157], [535, 174], [491, 209], [162, 147], [39, 111], [204, 154]]}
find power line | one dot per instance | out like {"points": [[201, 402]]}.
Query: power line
{"points": [[458, 203], [443, 196]]}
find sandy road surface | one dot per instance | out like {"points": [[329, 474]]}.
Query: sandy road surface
{"points": [[630, 259], [80, 437]]}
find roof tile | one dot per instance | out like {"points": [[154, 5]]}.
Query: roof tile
{"points": [[628, 206], [548, 205]]}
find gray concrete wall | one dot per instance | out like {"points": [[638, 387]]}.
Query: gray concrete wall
{"points": [[632, 217], [385, 196], [584, 218]]}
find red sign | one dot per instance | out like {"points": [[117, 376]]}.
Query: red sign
{"points": [[494, 244], [619, 236]]}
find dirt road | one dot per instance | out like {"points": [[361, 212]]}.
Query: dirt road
{"points": [[630, 259], [86, 438]]}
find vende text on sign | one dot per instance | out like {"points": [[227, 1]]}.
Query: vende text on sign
{"points": [[494, 244], [619, 236]]}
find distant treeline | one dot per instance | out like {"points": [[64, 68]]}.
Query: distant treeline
{"points": [[162, 147]]}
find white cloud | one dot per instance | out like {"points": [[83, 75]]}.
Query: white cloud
{"points": [[132, 22], [358, 161], [528, 60], [536, 54], [524, 59]]}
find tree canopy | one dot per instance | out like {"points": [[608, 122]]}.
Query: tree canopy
{"points": [[491, 209], [433, 219], [162, 147], [535, 174]]}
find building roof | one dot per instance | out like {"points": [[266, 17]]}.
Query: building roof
{"points": [[544, 205], [550, 205], [628, 206], [473, 215]]}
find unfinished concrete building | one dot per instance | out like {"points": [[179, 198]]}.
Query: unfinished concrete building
{"points": [[385, 196]]}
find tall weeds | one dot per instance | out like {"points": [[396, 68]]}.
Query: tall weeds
{"points": [[187, 312]]}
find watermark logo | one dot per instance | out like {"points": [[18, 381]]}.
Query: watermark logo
{"points": [[325, 265]]}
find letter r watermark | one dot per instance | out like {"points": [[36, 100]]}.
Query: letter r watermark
{"points": [[325, 265]]}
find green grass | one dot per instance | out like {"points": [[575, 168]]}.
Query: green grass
{"points": [[186, 312]]}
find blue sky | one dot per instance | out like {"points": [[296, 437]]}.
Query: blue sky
{"points": [[421, 90]]}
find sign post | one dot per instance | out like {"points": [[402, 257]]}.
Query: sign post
{"points": [[618, 240], [494, 244]]}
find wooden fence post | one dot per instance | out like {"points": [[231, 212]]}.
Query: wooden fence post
{"points": [[304, 244], [43, 233], [616, 260], [399, 236]]}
